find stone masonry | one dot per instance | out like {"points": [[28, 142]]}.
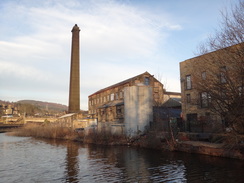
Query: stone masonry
{"points": [[74, 89]]}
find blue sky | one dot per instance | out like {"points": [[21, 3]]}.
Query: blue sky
{"points": [[118, 40]]}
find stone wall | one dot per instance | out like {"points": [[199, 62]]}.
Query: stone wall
{"points": [[138, 103]]}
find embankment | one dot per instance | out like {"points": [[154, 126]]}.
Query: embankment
{"points": [[149, 140]]}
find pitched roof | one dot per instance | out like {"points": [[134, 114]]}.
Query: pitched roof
{"points": [[119, 84], [172, 93], [172, 102]]}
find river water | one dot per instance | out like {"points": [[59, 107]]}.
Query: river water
{"points": [[24, 159]]}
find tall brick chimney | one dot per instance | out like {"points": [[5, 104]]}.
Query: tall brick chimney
{"points": [[74, 87]]}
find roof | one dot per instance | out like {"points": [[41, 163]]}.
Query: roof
{"points": [[112, 103], [120, 83], [172, 102], [214, 51], [165, 113], [172, 93], [67, 115]]}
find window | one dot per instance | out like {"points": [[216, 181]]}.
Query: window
{"points": [[147, 81], [204, 75], [108, 98], [223, 74], [112, 96], [188, 82], [119, 110], [205, 98], [116, 96], [120, 94], [188, 98]]}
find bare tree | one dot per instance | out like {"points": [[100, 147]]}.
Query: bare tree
{"points": [[219, 76]]}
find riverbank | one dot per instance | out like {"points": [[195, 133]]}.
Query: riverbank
{"points": [[151, 139], [222, 145], [8, 127], [51, 160], [212, 149]]}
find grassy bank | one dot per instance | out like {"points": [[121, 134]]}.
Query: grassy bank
{"points": [[57, 131], [53, 131]]}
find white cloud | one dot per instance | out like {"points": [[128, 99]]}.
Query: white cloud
{"points": [[21, 71], [117, 42]]}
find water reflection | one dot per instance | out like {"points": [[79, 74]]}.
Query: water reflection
{"points": [[137, 165], [72, 164], [30, 160]]}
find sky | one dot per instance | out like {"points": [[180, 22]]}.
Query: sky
{"points": [[119, 39]]}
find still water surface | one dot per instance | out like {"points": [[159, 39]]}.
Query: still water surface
{"points": [[29, 160]]}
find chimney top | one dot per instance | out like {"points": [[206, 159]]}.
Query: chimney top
{"points": [[75, 28]]}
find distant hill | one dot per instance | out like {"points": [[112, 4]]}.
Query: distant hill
{"points": [[45, 105]]}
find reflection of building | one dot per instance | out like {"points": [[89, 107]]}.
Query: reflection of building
{"points": [[120, 164], [72, 163]]}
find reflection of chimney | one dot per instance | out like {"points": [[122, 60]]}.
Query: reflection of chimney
{"points": [[74, 88], [72, 164]]}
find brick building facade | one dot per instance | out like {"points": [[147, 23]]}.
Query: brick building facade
{"points": [[199, 77], [107, 105]]}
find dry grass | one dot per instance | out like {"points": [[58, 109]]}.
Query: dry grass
{"points": [[105, 138], [57, 131], [53, 131]]}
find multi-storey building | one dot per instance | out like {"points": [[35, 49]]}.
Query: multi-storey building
{"points": [[107, 105], [208, 80]]}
